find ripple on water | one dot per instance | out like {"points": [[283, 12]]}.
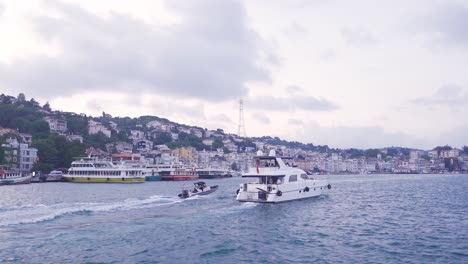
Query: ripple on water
{"points": [[363, 219]]}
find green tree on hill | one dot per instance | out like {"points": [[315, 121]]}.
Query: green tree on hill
{"points": [[56, 151], [40, 129], [21, 97], [46, 107], [217, 143]]}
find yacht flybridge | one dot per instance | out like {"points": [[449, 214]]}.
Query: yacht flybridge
{"points": [[277, 181]]}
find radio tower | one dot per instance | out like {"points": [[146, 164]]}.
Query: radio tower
{"points": [[241, 128]]}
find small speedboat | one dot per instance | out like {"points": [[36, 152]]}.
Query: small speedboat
{"points": [[200, 189]]}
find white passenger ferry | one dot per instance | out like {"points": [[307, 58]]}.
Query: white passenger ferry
{"points": [[90, 170], [277, 181]]}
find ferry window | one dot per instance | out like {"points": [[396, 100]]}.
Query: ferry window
{"points": [[293, 178], [304, 176]]}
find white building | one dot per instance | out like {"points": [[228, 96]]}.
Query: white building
{"points": [[453, 153], [197, 132], [19, 156], [56, 125], [144, 145], [136, 135], [123, 147], [153, 124], [96, 127], [75, 137]]}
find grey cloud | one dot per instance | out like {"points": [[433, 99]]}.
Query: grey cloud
{"points": [[448, 95], [211, 54], [358, 137], [2, 9], [173, 111], [292, 103], [327, 55], [296, 122], [262, 118], [295, 29], [94, 105], [448, 23], [221, 118], [357, 37], [455, 137], [294, 89]]}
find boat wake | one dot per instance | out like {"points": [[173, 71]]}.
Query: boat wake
{"points": [[30, 214]]}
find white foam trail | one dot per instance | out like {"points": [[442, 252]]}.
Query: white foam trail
{"points": [[29, 214], [240, 207]]}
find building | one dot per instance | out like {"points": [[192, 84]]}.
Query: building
{"points": [[452, 153], [197, 132], [123, 147], [187, 155], [56, 125], [19, 156], [26, 138], [96, 127], [136, 135], [144, 145], [75, 137], [119, 157], [4, 131]]}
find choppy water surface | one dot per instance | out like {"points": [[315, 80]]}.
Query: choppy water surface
{"points": [[363, 219]]}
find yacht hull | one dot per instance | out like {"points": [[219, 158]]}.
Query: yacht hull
{"points": [[278, 194]]}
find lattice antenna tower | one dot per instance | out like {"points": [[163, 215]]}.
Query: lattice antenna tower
{"points": [[241, 128]]}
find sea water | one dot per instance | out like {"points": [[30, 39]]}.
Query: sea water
{"points": [[362, 219]]}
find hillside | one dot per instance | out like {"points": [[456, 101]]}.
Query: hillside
{"points": [[61, 136]]}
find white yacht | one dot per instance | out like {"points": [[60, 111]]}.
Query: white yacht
{"points": [[277, 181]]}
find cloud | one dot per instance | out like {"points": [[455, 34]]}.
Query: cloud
{"points": [[291, 103], [455, 137], [447, 95], [294, 89], [94, 105], [327, 55], [221, 118], [357, 37], [295, 29], [2, 9], [262, 118], [447, 22], [295, 122], [210, 54], [357, 137]]}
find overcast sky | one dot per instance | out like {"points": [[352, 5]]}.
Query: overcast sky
{"points": [[344, 73]]}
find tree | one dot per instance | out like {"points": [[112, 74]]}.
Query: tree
{"points": [[234, 166], [2, 155], [426, 157], [21, 97], [77, 124], [217, 143], [98, 140], [56, 152], [47, 153], [226, 150], [371, 153], [40, 129], [162, 138], [47, 107]]}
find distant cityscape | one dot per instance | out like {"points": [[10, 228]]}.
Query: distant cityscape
{"points": [[29, 132]]}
